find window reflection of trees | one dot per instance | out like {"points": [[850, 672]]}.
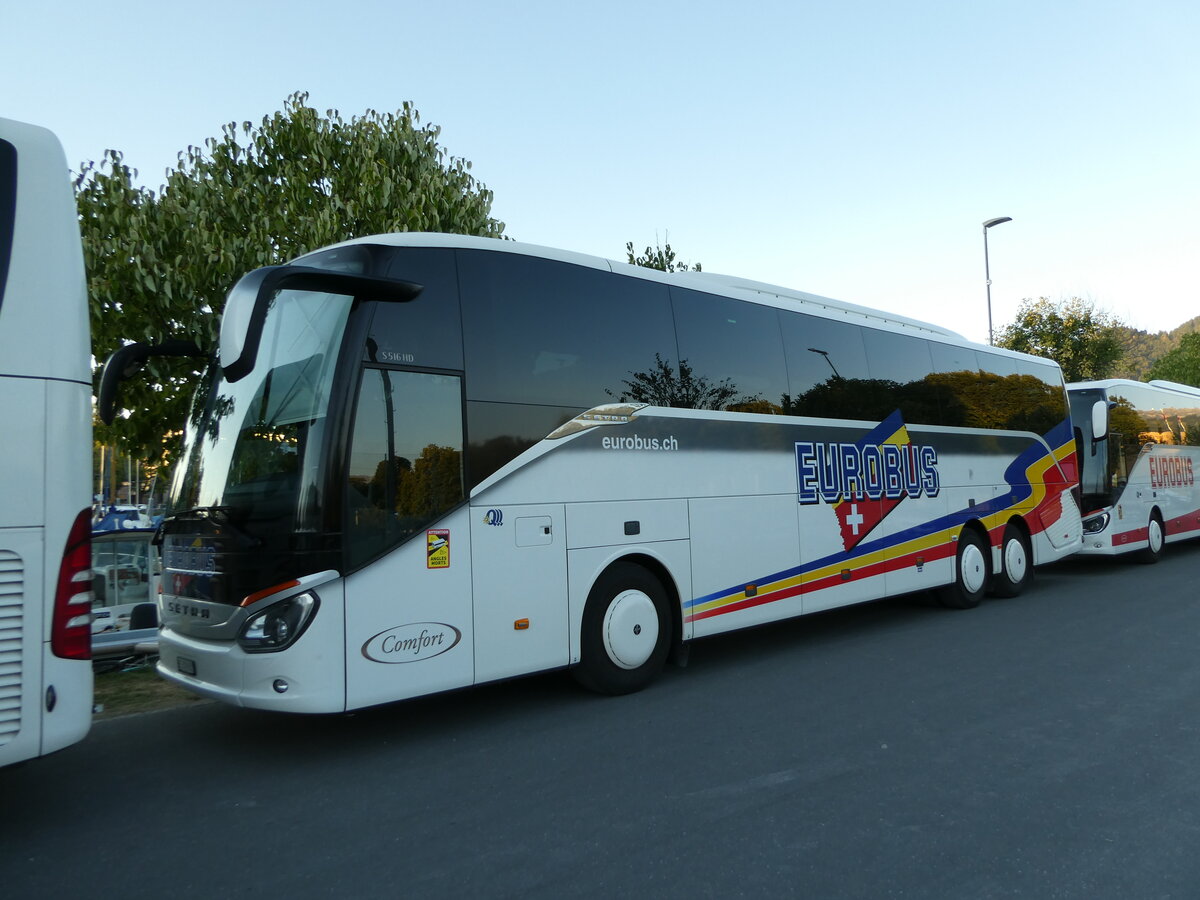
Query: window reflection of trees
{"points": [[1133, 430], [965, 399], [412, 492], [681, 388]]}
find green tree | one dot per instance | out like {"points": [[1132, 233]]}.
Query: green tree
{"points": [[159, 264], [659, 257], [1083, 340], [1182, 364]]}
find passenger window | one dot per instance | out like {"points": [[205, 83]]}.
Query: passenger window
{"points": [[556, 334], [406, 459], [826, 365], [958, 384], [731, 354], [427, 330], [900, 366]]}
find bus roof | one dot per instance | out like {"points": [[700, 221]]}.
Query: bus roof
{"points": [[1184, 390]]}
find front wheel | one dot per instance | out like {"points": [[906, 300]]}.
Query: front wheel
{"points": [[970, 573], [1155, 537], [626, 631], [1016, 564]]}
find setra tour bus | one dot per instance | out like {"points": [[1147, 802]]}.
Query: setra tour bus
{"points": [[1137, 475], [46, 452], [422, 462]]}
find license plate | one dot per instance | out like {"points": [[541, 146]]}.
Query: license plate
{"points": [[185, 666]]}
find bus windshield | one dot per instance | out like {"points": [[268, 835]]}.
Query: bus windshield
{"points": [[251, 449]]}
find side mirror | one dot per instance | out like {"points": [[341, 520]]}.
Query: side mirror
{"points": [[1100, 420], [247, 304], [127, 362]]}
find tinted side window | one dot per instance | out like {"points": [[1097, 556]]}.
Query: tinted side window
{"points": [[500, 432], [958, 384], [405, 468], [426, 331], [732, 351], [900, 367], [545, 332], [826, 364], [1046, 405], [997, 365]]}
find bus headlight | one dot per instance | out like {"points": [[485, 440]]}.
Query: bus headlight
{"points": [[279, 625], [1095, 524]]}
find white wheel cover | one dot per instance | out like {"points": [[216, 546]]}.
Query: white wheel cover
{"points": [[630, 629], [1015, 563], [974, 568], [1155, 536]]}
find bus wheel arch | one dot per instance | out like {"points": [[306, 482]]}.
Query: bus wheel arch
{"points": [[1156, 538], [972, 569], [1014, 570], [630, 624]]}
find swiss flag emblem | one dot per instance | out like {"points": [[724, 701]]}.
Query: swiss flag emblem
{"points": [[858, 518]]}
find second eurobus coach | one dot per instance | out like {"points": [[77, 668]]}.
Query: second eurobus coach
{"points": [[45, 452], [1138, 477], [424, 462]]}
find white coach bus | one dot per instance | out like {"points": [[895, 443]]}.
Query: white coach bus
{"points": [[1138, 483], [424, 462], [45, 453]]}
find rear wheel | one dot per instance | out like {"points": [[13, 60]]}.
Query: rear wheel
{"points": [[626, 631], [970, 573], [1156, 537], [1016, 563]]}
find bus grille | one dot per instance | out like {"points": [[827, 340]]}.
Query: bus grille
{"points": [[12, 596]]}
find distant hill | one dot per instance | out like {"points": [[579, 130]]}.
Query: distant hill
{"points": [[1143, 349]]}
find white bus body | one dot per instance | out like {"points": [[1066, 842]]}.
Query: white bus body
{"points": [[46, 453], [1139, 481], [431, 461]]}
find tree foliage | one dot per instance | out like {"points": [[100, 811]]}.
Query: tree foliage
{"points": [[1182, 364], [1083, 340], [160, 263], [659, 257]]}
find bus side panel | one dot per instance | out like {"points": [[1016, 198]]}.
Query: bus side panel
{"points": [[23, 453], [409, 626], [20, 644], [67, 486], [1181, 509], [736, 541], [927, 559], [519, 565]]}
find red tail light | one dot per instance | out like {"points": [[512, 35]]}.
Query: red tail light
{"points": [[71, 628]]}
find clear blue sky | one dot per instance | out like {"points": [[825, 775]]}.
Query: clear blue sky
{"points": [[849, 149]]}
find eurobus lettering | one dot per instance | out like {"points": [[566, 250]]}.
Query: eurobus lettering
{"points": [[1171, 472], [835, 472]]}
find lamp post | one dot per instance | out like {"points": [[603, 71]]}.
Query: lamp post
{"points": [[986, 271], [827, 359]]}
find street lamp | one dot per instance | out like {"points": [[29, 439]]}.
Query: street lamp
{"points": [[986, 272], [825, 354]]}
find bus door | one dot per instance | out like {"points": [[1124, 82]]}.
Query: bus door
{"points": [[407, 539]]}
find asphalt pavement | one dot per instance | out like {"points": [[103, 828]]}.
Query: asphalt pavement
{"points": [[1045, 746]]}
